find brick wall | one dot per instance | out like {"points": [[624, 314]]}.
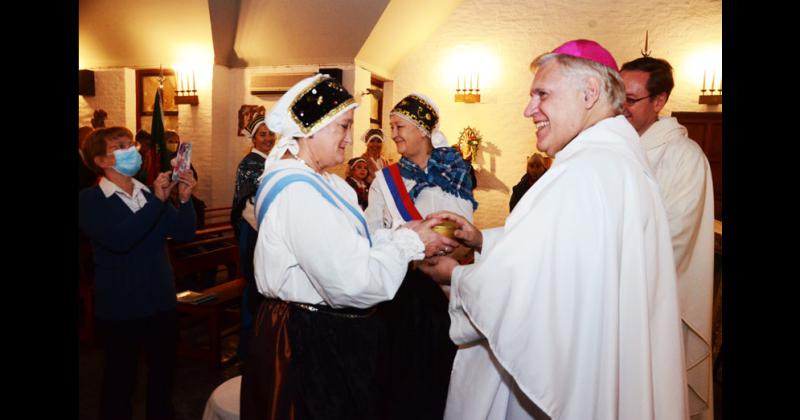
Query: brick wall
{"points": [[514, 32]]}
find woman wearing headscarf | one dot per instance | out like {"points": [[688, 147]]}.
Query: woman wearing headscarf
{"points": [[315, 341], [430, 177], [243, 219], [373, 155]]}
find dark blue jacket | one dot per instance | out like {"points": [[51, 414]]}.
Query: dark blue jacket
{"points": [[133, 275]]}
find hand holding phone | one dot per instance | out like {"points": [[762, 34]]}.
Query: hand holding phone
{"points": [[183, 160]]}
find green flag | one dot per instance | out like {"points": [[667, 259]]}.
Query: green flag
{"points": [[157, 131]]}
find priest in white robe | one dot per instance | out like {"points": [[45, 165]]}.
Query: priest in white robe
{"points": [[684, 177], [570, 310]]}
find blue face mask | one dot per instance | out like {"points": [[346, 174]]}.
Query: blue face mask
{"points": [[128, 161]]}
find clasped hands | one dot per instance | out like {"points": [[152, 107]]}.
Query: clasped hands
{"points": [[437, 264]]}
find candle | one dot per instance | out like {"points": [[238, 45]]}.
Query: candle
{"points": [[194, 88], [704, 80], [713, 75], [479, 81], [470, 81]]}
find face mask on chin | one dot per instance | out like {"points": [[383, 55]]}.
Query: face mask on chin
{"points": [[129, 161]]}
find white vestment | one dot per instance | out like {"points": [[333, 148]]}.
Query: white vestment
{"points": [[684, 176], [572, 305], [308, 250]]}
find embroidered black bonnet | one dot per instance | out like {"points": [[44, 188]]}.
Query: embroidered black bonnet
{"points": [[420, 112], [319, 103]]}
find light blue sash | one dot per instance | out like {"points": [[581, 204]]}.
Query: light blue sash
{"points": [[319, 184]]}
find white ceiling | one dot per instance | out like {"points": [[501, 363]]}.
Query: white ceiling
{"points": [[376, 34]]}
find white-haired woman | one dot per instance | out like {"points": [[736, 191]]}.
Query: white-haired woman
{"points": [[430, 177], [315, 340]]}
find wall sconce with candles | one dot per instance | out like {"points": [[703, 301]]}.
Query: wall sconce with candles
{"points": [[186, 92], [711, 99], [471, 95]]}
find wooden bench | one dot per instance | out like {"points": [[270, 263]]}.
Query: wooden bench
{"points": [[202, 256], [217, 216], [228, 294]]}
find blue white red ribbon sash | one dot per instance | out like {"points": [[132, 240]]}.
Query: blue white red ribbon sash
{"points": [[402, 200]]}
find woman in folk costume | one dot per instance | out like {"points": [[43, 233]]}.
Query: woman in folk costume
{"points": [[374, 153], [315, 339], [243, 219], [430, 177]]}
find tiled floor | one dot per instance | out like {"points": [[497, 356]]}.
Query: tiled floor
{"points": [[194, 382]]}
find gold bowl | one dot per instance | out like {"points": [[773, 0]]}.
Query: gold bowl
{"points": [[446, 228]]}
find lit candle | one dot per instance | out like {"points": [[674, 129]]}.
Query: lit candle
{"points": [[470, 82], [704, 80], [713, 75], [194, 88], [479, 81]]}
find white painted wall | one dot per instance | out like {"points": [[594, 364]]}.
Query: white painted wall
{"points": [[512, 33], [115, 93]]}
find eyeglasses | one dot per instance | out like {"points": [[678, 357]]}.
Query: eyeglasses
{"points": [[632, 101]]}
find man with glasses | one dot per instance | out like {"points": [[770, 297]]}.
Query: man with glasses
{"points": [[684, 177]]}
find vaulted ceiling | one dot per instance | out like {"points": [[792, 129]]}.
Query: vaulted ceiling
{"points": [[241, 33]]}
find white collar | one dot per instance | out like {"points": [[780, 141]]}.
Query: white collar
{"points": [[258, 152], [109, 188]]}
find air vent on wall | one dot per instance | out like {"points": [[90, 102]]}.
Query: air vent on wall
{"points": [[86, 82], [266, 84]]}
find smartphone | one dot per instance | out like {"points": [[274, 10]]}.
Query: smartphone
{"points": [[183, 160]]}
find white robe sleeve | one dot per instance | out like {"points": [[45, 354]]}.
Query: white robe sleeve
{"points": [[340, 264], [462, 331], [684, 201]]}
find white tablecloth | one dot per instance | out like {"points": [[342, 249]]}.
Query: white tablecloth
{"points": [[223, 404]]}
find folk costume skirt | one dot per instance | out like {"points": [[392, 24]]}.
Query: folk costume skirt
{"points": [[311, 362], [418, 357]]}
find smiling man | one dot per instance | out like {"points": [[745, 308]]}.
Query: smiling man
{"points": [[684, 177], [582, 323]]}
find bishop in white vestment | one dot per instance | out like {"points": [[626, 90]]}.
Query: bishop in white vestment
{"points": [[570, 310]]}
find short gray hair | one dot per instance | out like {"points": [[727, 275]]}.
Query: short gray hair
{"points": [[613, 86]]}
